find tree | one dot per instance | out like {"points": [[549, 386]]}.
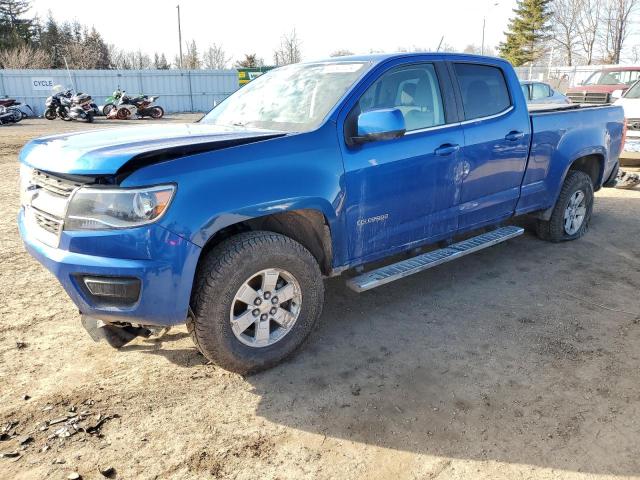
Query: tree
{"points": [[565, 22], [528, 32], [97, 48], [617, 19], [341, 53], [588, 27], [250, 60], [215, 58], [191, 59], [22, 57], [160, 62], [289, 50], [15, 29]]}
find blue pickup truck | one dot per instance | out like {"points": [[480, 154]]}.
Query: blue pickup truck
{"points": [[230, 224]]}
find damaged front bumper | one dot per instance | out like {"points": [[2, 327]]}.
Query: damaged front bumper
{"points": [[151, 286]]}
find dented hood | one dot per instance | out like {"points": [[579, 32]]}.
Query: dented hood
{"points": [[115, 150]]}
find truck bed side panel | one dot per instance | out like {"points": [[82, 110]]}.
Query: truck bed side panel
{"points": [[561, 137]]}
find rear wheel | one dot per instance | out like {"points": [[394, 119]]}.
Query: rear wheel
{"points": [[157, 112], [123, 113], [257, 297], [572, 212]]}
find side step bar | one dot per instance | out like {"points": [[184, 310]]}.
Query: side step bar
{"points": [[404, 268]]}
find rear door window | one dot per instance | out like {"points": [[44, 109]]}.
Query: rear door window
{"points": [[483, 88]]}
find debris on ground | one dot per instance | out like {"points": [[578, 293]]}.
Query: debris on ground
{"points": [[627, 180], [108, 472], [58, 428], [20, 345]]}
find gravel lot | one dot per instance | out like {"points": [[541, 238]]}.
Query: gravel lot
{"points": [[521, 361]]}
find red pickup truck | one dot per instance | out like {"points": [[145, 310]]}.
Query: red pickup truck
{"points": [[601, 84]]}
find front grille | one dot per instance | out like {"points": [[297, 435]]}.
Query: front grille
{"points": [[633, 123], [54, 184], [589, 97], [47, 222]]}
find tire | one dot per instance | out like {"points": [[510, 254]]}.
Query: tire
{"points": [[50, 114], [555, 229], [89, 117], [123, 114], [107, 108], [17, 115], [220, 277], [157, 112]]}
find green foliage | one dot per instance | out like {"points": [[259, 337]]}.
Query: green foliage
{"points": [[528, 32], [15, 29]]}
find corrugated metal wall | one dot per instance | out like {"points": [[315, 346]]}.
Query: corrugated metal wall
{"points": [[179, 90]]}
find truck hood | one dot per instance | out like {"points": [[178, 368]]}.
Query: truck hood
{"points": [[118, 150], [597, 88]]}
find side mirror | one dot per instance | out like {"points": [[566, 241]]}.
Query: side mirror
{"points": [[617, 93], [380, 125]]}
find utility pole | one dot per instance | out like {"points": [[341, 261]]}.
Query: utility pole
{"points": [[179, 35], [484, 24]]}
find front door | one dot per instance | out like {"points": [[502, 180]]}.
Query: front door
{"points": [[405, 190]]}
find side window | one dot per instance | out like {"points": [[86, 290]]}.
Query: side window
{"points": [[413, 89], [483, 88], [525, 90], [540, 91]]}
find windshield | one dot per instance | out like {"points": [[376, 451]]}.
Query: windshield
{"points": [[295, 98], [613, 77], [633, 92]]}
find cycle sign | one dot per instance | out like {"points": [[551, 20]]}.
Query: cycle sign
{"points": [[42, 83]]}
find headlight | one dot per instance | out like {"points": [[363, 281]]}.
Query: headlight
{"points": [[108, 208], [26, 175]]}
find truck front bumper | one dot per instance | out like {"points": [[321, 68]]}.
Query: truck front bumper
{"points": [[151, 286]]}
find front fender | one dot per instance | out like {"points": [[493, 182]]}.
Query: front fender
{"points": [[221, 188]]}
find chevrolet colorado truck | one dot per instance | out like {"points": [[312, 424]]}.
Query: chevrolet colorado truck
{"points": [[230, 224]]}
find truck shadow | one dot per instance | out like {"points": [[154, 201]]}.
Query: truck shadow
{"points": [[525, 353]]}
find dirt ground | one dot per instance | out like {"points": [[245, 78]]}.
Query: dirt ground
{"points": [[521, 361]]}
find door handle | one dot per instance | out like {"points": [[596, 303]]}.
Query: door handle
{"points": [[514, 135], [447, 149]]}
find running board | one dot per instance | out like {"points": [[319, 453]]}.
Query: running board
{"points": [[404, 268]]}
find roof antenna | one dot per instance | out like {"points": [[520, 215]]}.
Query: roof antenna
{"points": [[440, 44]]}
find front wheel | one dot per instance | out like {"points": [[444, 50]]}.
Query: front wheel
{"points": [[257, 297], [89, 117], [50, 114], [572, 212], [107, 108]]}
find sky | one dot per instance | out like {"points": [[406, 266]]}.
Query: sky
{"points": [[323, 26]]}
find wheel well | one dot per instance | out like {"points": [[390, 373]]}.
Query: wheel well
{"points": [[307, 227], [592, 166]]}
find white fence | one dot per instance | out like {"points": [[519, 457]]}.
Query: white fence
{"points": [[179, 90], [561, 77]]}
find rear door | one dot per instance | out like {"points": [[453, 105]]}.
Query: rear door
{"points": [[497, 133]]}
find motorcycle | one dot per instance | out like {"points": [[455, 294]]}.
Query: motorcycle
{"points": [[69, 107], [6, 116], [14, 107], [126, 106]]}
